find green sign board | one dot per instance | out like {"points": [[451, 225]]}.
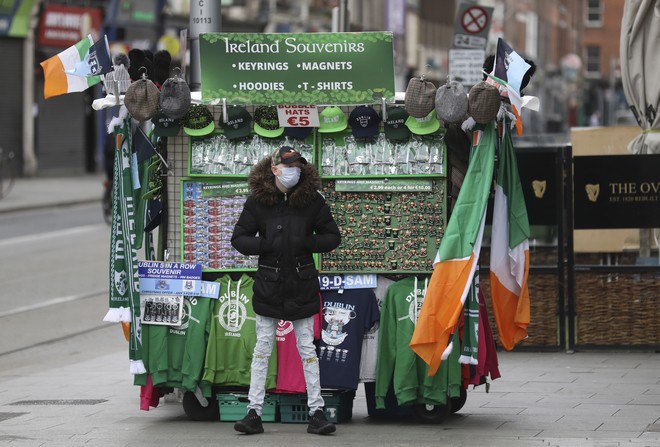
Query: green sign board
{"points": [[311, 68], [384, 185], [224, 189]]}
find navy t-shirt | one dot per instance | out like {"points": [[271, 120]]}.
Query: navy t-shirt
{"points": [[346, 317]]}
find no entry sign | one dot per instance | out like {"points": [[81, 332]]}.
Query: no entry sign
{"points": [[472, 26], [474, 20]]}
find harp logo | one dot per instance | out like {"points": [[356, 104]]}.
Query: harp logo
{"points": [[539, 187], [592, 191]]}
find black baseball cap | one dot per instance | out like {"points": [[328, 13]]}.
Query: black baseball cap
{"points": [[287, 155]]}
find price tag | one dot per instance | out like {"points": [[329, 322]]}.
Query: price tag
{"points": [[298, 116]]}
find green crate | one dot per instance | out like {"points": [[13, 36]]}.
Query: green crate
{"points": [[233, 407], [338, 407]]}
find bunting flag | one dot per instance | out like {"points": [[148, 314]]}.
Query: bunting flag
{"points": [[509, 257], [77, 68], [508, 71], [456, 261]]}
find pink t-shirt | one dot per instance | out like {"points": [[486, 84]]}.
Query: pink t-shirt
{"points": [[290, 377]]}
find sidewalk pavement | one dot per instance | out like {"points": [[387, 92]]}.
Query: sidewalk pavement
{"points": [[543, 399], [46, 191]]}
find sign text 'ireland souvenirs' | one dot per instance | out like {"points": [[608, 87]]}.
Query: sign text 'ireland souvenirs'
{"points": [[312, 68]]}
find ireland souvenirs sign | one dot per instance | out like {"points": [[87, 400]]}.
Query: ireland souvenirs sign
{"points": [[311, 68]]}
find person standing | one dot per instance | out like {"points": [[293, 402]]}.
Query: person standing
{"points": [[284, 221]]}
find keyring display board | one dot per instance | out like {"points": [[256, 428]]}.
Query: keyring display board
{"points": [[210, 208], [388, 225]]}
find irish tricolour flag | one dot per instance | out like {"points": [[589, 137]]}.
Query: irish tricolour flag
{"points": [[77, 68], [458, 255], [509, 257]]}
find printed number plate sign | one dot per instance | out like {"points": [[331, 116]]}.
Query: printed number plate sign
{"points": [[169, 278], [340, 281], [311, 68]]}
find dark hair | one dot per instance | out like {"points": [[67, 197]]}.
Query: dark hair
{"points": [[489, 64]]}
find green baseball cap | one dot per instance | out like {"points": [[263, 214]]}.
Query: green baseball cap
{"points": [[332, 119], [425, 125], [266, 122], [198, 121]]}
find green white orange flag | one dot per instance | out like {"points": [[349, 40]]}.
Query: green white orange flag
{"points": [[77, 68], [509, 256], [457, 257]]}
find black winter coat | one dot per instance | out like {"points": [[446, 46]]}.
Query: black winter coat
{"points": [[284, 230]]}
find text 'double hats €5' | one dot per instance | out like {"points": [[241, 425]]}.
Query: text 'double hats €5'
{"points": [[364, 122], [198, 121], [266, 122], [332, 119], [238, 124]]}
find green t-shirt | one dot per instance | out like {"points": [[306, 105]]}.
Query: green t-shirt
{"points": [[398, 363], [233, 337], [174, 355]]}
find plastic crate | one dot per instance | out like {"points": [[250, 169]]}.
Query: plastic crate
{"points": [[338, 407], [233, 407]]}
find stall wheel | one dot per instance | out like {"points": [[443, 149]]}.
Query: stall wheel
{"points": [[458, 402], [195, 411], [432, 414]]}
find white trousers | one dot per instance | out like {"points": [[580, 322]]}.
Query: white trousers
{"points": [[304, 329]]}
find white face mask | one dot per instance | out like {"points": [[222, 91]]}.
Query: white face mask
{"points": [[289, 177]]}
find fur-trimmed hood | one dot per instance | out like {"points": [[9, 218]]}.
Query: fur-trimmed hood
{"points": [[261, 182]]}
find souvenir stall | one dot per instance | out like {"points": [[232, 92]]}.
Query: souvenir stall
{"points": [[383, 167]]}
